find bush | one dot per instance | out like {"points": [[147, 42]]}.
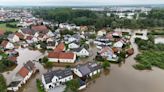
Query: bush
{"points": [[39, 86], [72, 85], [106, 64], [3, 87], [147, 59], [49, 64]]}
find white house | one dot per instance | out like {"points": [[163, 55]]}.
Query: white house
{"points": [[108, 53], [7, 45], [62, 57], [118, 44], [73, 45], [13, 38], [87, 70], [50, 34], [101, 32], [14, 86], [56, 78], [81, 51]]}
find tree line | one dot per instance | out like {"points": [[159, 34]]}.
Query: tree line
{"points": [[154, 18]]}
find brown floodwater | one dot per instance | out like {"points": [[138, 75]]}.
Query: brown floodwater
{"points": [[124, 78], [121, 77]]}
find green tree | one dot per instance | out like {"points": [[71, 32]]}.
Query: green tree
{"points": [[3, 87], [106, 64], [72, 85]]}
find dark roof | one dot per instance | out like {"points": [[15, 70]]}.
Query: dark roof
{"points": [[10, 36], [29, 65], [51, 43], [85, 69], [59, 73], [14, 84], [77, 49], [28, 31], [94, 66]]}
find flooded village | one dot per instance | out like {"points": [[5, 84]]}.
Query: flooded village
{"points": [[39, 55]]}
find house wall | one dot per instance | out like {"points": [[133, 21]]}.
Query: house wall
{"points": [[27, 77], [94, 72], [82, 87], [56, 81], [72, 46], [83, 52], [53, 59], [13, 88], [9, 46], [77, 72]]}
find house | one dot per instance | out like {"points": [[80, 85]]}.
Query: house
{"points": [[117, 34], [108, 53], [14, 86], [7, 45], [26, 31], [40, 29], [12, 52], [55, 78], [13, 38], [83, 28], [60, 47], [118, 44], [74, 45], [142, 34], [31, 39], [101, 32], [51, 44], [20, 35], [87, 70], [81, 51], [62, 57], [22, 76]]}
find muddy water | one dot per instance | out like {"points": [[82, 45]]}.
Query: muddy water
{"points": [[125, 78], [121, 78], [24, 56]]}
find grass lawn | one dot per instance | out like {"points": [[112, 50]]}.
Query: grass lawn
{"points": [[4, 27]]}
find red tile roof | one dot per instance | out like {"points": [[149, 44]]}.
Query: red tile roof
{"points": [[61, 55], [4, 43], [53, 55], [115, 50], [67, 55], [60, 47], [40, 28], [20, 35], [23, 72], [106, 49]]}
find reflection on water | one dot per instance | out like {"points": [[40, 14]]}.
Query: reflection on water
{"points": [[106, 72]]}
